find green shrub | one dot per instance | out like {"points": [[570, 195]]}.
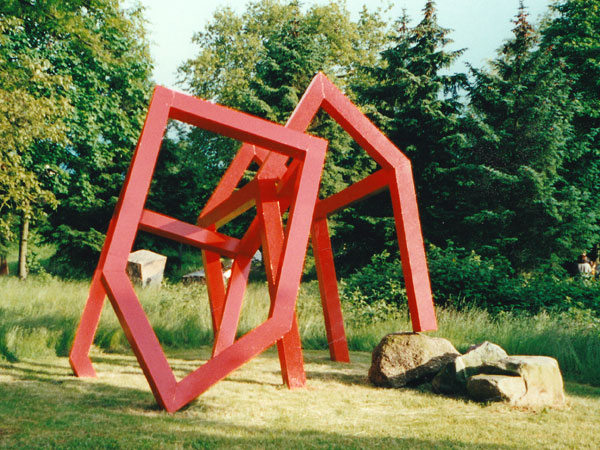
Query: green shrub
{"points": [[461, 278], [77, 252]]}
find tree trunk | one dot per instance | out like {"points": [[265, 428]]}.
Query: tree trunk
{"points": [[3, 265], [23, 248]]}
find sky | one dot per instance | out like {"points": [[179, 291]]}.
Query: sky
{"points": [[480, 26]]}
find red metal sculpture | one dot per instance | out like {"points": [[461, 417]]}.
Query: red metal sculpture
{"points": [[278, 187]]}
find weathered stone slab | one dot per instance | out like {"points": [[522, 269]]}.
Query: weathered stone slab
{"points": [[200, 277], [146, 268], [496, 388], [409, 358], [541, 375], [452, 379]]}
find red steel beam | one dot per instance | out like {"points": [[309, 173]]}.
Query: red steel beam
{"points": [[360, 190], [171, 228]]}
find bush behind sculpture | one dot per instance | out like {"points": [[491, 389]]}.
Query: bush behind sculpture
{"points": [[461, 278]]}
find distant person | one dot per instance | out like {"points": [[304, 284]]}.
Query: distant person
{"points": [[595, 261], [584, 265]]}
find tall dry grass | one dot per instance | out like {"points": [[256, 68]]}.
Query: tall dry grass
{"points": [[38, 318]]}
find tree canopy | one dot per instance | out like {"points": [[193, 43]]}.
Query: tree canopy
{"points": [[33, 109], [413, 98], [262, 62], [519, 121], [505, 157]]}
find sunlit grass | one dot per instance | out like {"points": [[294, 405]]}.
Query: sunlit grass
{"points": [[572, 338]]}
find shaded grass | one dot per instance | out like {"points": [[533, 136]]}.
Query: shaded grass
{"points": [[44, 406], [38, 318]]}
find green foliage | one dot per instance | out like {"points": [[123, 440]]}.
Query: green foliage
{"points": [[503, 175], [515, 198], [511, 177], [375, 291], [276, 46], [461, 278], [33, 109], [77, 251], [110, 91], [413, 99], [262, 62], [80, 73], [571, 35], [185, 172], [35, 265]]}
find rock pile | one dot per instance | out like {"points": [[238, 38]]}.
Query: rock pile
{"points": [[484, 373]]}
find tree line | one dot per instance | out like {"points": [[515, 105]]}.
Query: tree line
{"points": [[505, 157]]}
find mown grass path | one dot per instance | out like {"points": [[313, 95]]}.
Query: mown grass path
{"points": [[43, 405]]}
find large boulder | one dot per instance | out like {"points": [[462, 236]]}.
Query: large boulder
{"points": [[409, 358], [541, 375], [452, 379]]}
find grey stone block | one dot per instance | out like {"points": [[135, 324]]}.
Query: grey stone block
{"points": [[146, 268]]}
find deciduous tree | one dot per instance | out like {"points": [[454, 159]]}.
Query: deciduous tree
{"points": [[262, 62], [34, 106]]}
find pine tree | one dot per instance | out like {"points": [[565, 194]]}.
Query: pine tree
{"points": [[516, 201], [411, 96], [572, 36]]}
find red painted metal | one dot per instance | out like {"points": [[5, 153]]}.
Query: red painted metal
{"points": [[130, 216], [330, 299], [288, 180], [323, 94], [213, 274]]}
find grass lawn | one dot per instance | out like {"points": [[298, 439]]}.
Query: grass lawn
{"points": [[43, 405]]}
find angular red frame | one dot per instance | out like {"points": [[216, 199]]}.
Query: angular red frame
{"points": [[110, 277], [395, 174], [278, 187]]}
